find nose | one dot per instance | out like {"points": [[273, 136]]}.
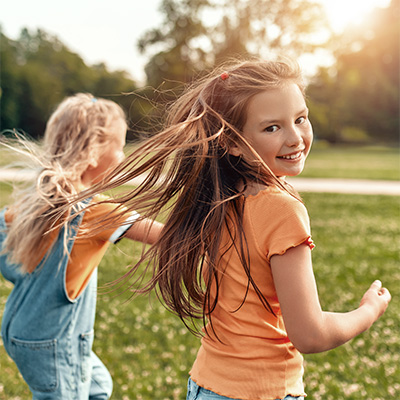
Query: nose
{"points": [[294, 136]]}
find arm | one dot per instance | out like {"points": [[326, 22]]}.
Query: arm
{"points": [[310, 329], [146, 231]]}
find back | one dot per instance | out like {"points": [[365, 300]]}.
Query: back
{"points": [[43, 293], [254, 356]]}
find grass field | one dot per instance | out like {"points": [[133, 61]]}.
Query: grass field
{"points": [[149, 352], [365, 162], [353, 163]]}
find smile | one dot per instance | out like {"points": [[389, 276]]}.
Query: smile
{"points": [[294, 156]]}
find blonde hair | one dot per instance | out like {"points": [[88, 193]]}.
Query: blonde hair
{"points": [[75, 134]]}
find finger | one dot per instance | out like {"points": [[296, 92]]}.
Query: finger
{"points": [[385, 294], [376, 285]]}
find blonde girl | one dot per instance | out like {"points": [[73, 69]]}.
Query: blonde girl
{"points": [[235, 250], [48, 321]]}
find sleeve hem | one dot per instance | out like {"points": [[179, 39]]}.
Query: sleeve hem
{"points": [[308, 241], [121, 230]]}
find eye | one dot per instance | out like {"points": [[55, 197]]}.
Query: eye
{"points": [[271, 129], [301, 120]]}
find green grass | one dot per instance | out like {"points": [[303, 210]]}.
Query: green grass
{"points": [[349, 162], [357, 241], [353, 163], [149, 352]]}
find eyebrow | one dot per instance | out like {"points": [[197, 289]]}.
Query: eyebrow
{"points": [[273, 121]]}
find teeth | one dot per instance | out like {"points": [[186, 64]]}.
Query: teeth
{"points": [[291, 157]]}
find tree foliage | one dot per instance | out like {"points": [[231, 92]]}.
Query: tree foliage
{"points": [[264, 28], [196, 35], [354, 100], [357, 100], [179, 55], [38, 71]]}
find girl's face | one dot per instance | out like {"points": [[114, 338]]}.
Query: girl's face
{"points": [[278, 129], [111, 154]]}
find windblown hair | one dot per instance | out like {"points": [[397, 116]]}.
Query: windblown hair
{"points": [[76, 132], [192, 175]]}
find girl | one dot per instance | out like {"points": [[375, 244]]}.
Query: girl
{"points": [[236, 247], [48, 320]]}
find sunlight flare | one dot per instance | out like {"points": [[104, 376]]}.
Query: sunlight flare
{"points": [[345, 13]]}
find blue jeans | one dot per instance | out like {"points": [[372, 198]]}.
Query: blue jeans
{"points": [[97, 387], [195, 392]]}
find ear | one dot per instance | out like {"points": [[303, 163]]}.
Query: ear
{"points": [[89, 173], [230, 147], [93, 164], [235, 150]]}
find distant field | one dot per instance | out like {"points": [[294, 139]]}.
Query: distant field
{"points": [[367, 162], [149, 352], [353, 163]]}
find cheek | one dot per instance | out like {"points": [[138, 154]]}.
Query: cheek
{"points": [[307, 134], [271, 148], [310, 130], [121, 156], [310, 135]]}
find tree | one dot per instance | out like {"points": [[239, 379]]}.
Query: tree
{"points": [[265, 28], [180, 56], [38, 71], [361, 92], [10, 85], [196, 35]]}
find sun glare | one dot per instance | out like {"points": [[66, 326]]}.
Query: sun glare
{"points": [[342, 13]]}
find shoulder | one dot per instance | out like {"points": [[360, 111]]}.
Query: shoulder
{"points": [[107, 212], [274, 210], [277, 220], [6, 216], [100, 208], [275, 202], [101, 204]]}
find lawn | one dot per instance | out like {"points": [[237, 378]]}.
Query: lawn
{"points": [[362, 162], [149, 352], [366, 162]]}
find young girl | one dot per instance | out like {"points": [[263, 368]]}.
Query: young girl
{"points": [[47, 326], [236, 247]]}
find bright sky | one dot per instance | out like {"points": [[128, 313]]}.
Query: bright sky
{"points": [[107, 31]]}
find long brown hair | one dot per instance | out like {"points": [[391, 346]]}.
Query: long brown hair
{"points": [[192, 175], [79, 128]]}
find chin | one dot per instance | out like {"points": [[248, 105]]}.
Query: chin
{"points": [[293, 173]]}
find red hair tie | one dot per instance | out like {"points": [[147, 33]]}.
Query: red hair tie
{"points": [[224, 76]]}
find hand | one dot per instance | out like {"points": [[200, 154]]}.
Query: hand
{"points": [[377, 298]]}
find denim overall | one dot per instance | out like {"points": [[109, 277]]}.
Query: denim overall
{"points": [[48, 335]]}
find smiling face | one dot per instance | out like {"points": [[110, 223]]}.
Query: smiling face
{"points": [[278, 129]]}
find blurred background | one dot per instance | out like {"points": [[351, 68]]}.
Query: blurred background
{"points": [[128, 51], [139, 54]]}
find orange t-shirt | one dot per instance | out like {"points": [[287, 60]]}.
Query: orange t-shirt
{"points": [[88, 250], [254, 358]]}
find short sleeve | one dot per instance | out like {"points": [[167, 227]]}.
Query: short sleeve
{"points": [[120, 231], [280, 222], [292, 229], [104, 210]]}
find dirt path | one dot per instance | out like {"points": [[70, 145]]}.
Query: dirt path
{"points": [[354, 186]]}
